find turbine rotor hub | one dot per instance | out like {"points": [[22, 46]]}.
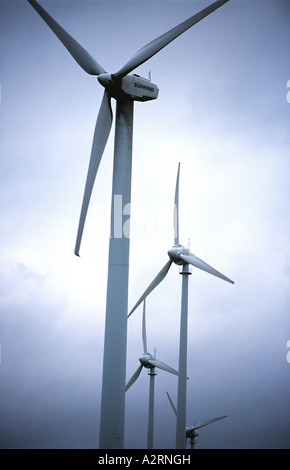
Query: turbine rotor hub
{"points": [[191, 432], [105, 79], [144, 360], [111, 84], [174, 253]]}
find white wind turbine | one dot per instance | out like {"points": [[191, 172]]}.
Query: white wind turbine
{"points": [[125, 89], [181, 256], [150, 362], [190, 431]]}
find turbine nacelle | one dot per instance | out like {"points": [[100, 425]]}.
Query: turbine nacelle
{"points": [[138, 88]]}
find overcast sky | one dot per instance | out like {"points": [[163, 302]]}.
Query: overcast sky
{"points": [[222, 111]]}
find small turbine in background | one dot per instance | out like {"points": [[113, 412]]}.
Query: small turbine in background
{"points": [[150, 362], [190, 431]]}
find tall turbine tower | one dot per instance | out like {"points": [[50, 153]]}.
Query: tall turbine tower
{"points": [[150, 362], [181, 256], [125, 89]]}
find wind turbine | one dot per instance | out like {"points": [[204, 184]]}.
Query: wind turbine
{"points": [[181, 256], [190, 431], [150, 362], [125, 89]]}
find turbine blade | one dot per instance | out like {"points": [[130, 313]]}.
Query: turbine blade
{"points": [[176, 210], [159, 43], [134, 377], [162, 365], [198, 263], [144, 335], [82, 57], [160, 276], [205, 423], [102, 131], [172, 404]]}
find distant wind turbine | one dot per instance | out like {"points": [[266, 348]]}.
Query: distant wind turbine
{"points": [[125, 89], [150, 362], [190, 431], [181, 256]]}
